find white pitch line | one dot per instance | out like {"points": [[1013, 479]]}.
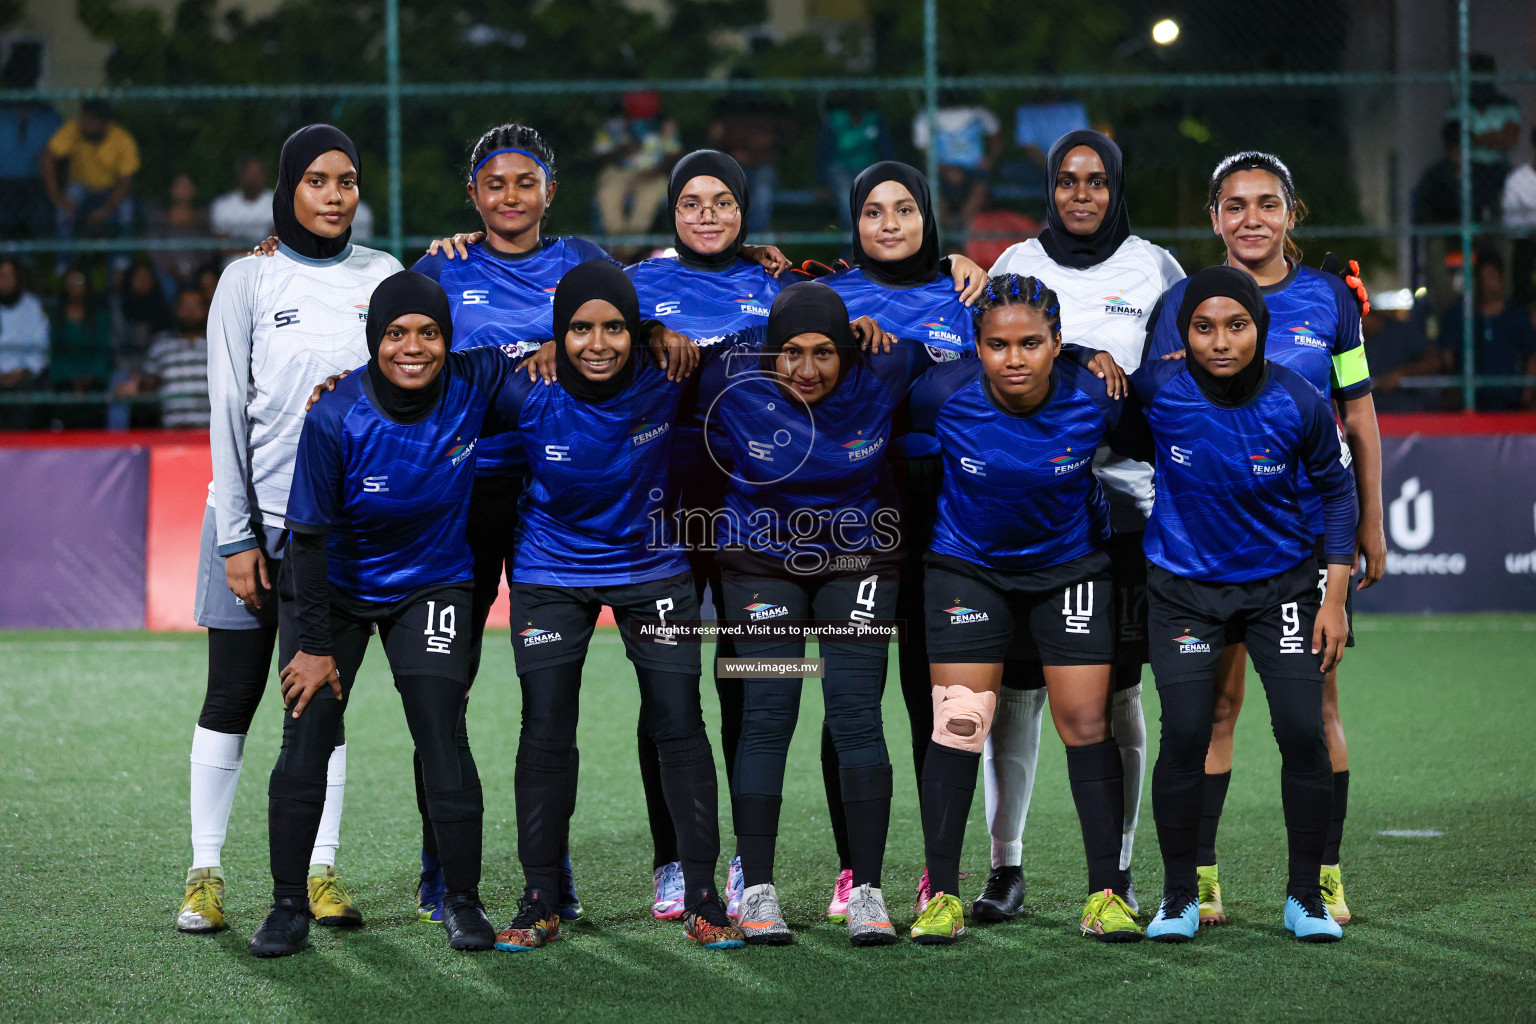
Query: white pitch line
{"points": [[1411, 833]]}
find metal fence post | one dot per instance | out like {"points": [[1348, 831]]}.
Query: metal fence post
{"points": [[931, 99], [392, 65], [1468, 273]]}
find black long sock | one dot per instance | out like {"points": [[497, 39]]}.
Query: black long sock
{"points": [[831, 781], [1095, 773], [1336, 822], [757, 829], [688, 779], [1308, 800], [1212, 802], [663, 835], [570, 807], [460, 842], [543, 787], [949, 783], [428, 833], [867, 808]]}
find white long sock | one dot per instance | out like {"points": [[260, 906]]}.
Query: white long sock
{"points": [[328, 838], [216, 760], [1013, 747], [1130, 730]]}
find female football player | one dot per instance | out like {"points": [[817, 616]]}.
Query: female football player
{"points": [[381, 491], [1314, 319], [1016, 430], [1108, 282], [809, 534], [277, 327], [1238, 440]]}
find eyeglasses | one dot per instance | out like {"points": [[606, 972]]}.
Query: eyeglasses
{"points": [[691, 210]]}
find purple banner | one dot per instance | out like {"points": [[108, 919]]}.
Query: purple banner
{"points": [[1461, 525], [72, 547]]}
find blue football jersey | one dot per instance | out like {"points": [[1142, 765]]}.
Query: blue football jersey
{"points": [[594, 511], [930, 314], [1230, 480], [498, 300], [701, 304], [1019, 492], [1314, 329], [807, 484], [393, 498]]}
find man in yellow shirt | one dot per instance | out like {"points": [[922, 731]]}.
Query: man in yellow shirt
{"points": [[93, 196]]}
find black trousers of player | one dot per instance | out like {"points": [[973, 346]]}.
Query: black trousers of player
{"points": [[706, 571], [852, 684], [919, 482], [550, 653], [429, 657], [1190, 622]]}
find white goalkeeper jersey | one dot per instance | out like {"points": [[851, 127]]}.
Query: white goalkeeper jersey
{"points": [[278, 326], [1107, 307]]}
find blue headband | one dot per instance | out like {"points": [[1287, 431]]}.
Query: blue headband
{"points": [[548, 174]]}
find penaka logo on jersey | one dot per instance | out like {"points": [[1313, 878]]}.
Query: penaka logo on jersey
{"points": [[461, 451], [1067, 461], [533, 637], [645, 432], [1306, 337], [361, 308], [1266, 463], [861, 448], [751, 306], [938, 330], [1117, 306], [1411, 526]]}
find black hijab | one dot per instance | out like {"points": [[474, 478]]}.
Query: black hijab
{"points": [[301, 149], [922, 266], [595, 279], [394, 297], [715, 164], [1080, 251], [810, 307], [1234, 284]]}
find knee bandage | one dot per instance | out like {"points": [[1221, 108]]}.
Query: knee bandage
{"points": [[962, 717]]}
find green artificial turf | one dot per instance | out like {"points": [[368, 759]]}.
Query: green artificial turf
{"points": [[94, 734]]}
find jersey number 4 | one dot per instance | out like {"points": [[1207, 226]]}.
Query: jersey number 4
{"points": [[441, 637]]}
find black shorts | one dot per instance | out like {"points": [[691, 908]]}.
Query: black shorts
{"points": [[425, 634], [1128, 563], [553, 625], [834, 601], [973, 612], [1191, 621]]}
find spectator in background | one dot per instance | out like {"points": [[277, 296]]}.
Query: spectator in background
{"points": [[87, 171], [1495, 130], [1399, 346], [25, 129], [207, 280], [1519, 213], [177, 366], [180, 217], [968, 142], [142, 313], [80, 358], [1437, 201], [245, 214], [23, 341], [1504, 341], [751, 130], [994, 231], [853, 136], [641, 147], [362, 223]]}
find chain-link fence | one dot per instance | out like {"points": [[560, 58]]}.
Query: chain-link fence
{"points": [[1405, 124]]}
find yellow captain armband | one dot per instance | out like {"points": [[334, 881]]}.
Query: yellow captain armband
{"points": [[1350, 368]]}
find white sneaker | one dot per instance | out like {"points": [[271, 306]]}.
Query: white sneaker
{"points": [[869, 923], [761, 921]]}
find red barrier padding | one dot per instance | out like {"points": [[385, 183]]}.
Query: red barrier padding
{"points": [[1403, 424], [178, 493]]}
